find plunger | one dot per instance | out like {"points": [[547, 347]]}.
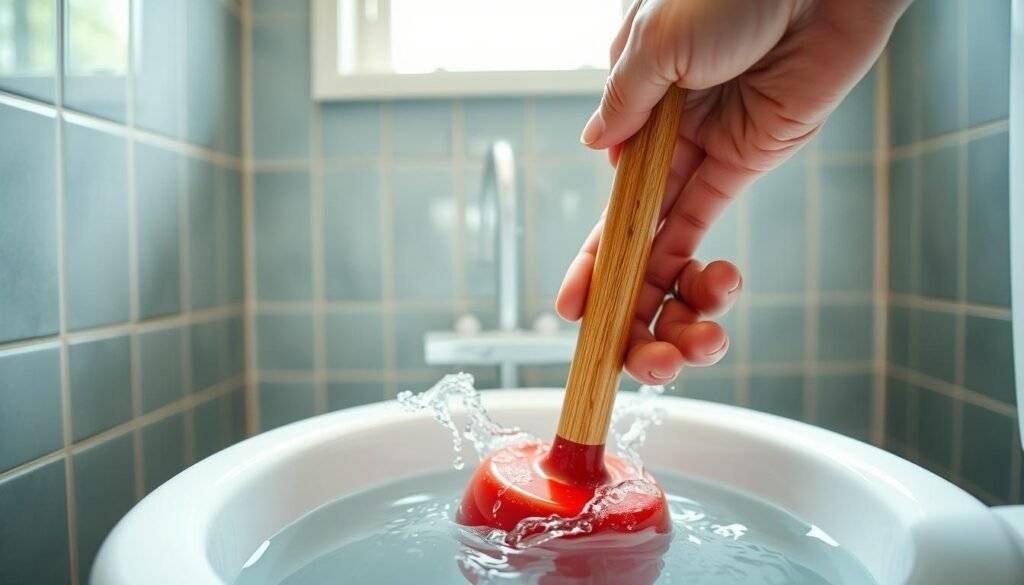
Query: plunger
{"points": [[536, 480]]}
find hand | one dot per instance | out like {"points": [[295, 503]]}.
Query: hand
{"points": [[762, 76]]}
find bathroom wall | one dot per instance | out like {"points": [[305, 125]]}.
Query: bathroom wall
{"points": [[358, 247], [950, 388], [121, 251]]}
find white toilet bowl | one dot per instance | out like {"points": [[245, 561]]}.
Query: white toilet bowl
{"points": [[905, 524]]}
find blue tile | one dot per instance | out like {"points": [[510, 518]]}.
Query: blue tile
{"points": [[713, 389], [278, 8], [479, 261], [904, 80], [34, 533], [100, 375], [902, 186], [235, 363], [285, 342], [424, 227], [207, 72], [355, 341], [346, 394], [157, 191], [30, 405], [208, 343], [934, 429], [351, 129], [722, 241], [844, 404], [160, 360], [846, 333], [104, 492], [937, 33], [236, 416], [548, 376], [781, 395], [558, 122], [846, 237], [932, 343], [778, 237], [988, 220], [851, 128], [284, 270], [568, 205], [988, 61], [286, 402], [163, 450], [31, 66], [421, 128], [898, 336], [96, 227], [96, 57], [897, 407], [280, 88], [210, 427], [352, 235], [776, 334], [231, 97], [409, 330], [939, 234], [159, 35], [988, 441], [491, 119], [204, 188], [28, 225], [234, 251], [989, 358]]}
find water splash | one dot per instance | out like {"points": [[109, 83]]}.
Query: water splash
{"points": [[633, 415], [456, 390]]}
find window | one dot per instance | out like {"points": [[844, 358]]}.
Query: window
{"points": [[392, 48]]}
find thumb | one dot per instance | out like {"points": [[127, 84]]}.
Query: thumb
{"points": [[633, 89]]}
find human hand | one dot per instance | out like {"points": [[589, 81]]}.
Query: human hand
{"points": [[762, 76]]}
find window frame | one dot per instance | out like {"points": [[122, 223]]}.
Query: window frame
{"points": [[328, 84]]}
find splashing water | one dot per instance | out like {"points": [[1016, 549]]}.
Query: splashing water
{"points": [[633, 415], [483, 433]]}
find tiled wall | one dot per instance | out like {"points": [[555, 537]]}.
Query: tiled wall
{"points": [[950, 391], [359, 246], [121, 289]]}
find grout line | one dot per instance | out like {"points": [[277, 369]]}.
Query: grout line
{"points": [[317, 255], [458, 170], [812, 213], [743, 304], [62, 309], [953, 138], [184, 404], [952, 307], [881, 251], [252, 414], [961, 260], [387, 207], [134, 300], [951, 390]]}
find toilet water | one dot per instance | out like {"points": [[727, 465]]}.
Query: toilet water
{"points": [[403, 531]]}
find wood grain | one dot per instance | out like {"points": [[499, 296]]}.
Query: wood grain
{"points": [[619, 274]]}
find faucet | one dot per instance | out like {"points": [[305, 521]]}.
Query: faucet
{"points": [[493, 230], [498, 212]]}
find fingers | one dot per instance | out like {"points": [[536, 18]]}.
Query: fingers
{"points": [[619, 42], [710, 290], [634, 87]]}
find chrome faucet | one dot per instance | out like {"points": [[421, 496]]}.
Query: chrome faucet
{"points": [[498, 213]]}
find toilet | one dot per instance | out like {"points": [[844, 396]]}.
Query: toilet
{"points": [[904, 524]]}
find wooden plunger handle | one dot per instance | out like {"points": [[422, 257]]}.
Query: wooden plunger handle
{"points": [[619, 274]]}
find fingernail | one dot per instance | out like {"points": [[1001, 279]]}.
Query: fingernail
{"points": [[593, 130], [724, 345], [661, 376], [739, 284]]}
